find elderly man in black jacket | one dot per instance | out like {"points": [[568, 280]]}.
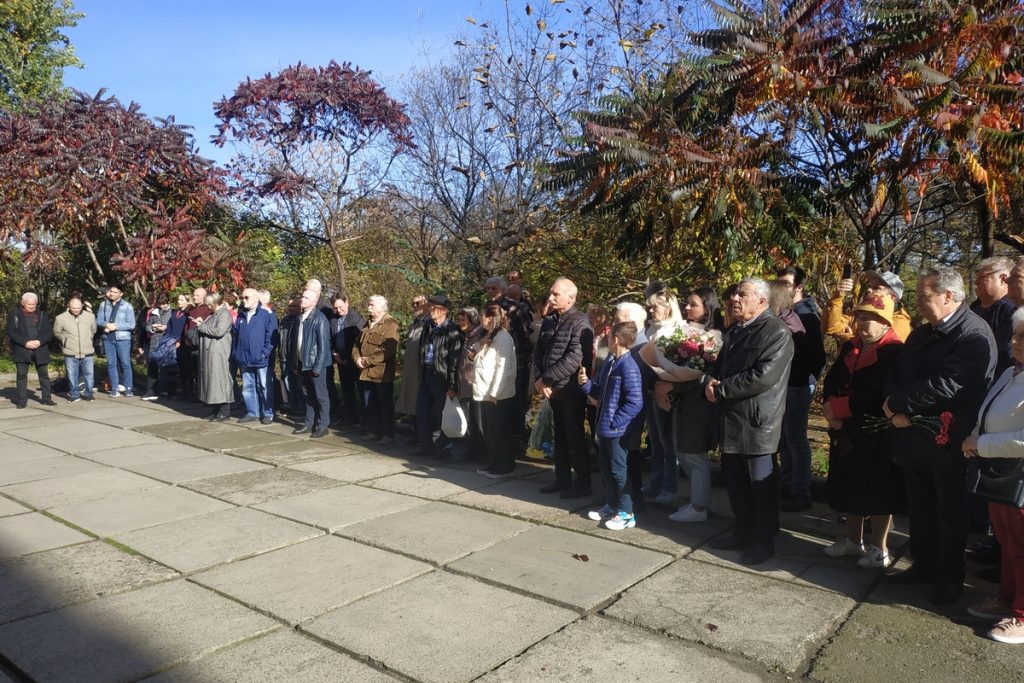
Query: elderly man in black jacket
{"points": [[943, 375], [310, 350], [565, 344], [439, 350], [346, 327], [749, 382], [30, 333]]}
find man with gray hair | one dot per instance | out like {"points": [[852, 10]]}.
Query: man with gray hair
{"points": [[994, 306], [942, 377], [29, 332], [749, 382]]}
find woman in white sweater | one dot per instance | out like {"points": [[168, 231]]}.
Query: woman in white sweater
{"points": [[494, 386], [1000, 434]]}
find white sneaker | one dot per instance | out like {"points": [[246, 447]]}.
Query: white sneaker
{"points": [[875, 558], [665, 498], [600, 515], [687, 513], [620, 521], [844, 547]]}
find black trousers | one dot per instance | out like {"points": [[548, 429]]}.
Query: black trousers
{"points": [[332, 393], [521, 403], [753, 490], [379, 411], [22, 382], [493, 420], [188, 370], [937, 511], [351, 398], [569, 410], [318, 404]]}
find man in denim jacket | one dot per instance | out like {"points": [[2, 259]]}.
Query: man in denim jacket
{"points": [[116, 319]]}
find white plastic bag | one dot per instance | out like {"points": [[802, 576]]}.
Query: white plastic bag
{"points": [[453, 419]]}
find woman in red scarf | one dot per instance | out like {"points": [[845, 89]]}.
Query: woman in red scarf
{"points": [[862, 479]]}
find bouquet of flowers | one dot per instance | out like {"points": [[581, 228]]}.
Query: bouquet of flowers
{"points": [[688, 352], [936, 427]]}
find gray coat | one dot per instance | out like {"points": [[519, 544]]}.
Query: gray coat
{"points": [[411, 369], [216, 385]]}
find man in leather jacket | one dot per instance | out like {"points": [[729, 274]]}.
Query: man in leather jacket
{"points": [[749, 382], [311, 352], [439, 350], [566, 343]]}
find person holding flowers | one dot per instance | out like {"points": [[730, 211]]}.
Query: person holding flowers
{"points": [[863, 481], [944, 372], [679, 361]]}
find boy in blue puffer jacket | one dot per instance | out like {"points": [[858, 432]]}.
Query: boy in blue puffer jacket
{"points": [[619, 394]]}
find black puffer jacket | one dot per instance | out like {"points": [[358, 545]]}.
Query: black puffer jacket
{"points": [[947, 367], [565, 343], [753, 368], [447, 341]]}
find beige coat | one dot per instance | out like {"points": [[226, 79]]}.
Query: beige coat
{"points": [[216, 385], [76, 333]]}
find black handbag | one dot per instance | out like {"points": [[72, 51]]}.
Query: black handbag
{"points": [[1000, 480]]}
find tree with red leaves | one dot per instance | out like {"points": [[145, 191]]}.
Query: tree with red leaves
{"points": [[88, 170], [313, 142]]}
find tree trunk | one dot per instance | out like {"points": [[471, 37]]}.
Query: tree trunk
{"points": [[95, 262], [986, 225]]}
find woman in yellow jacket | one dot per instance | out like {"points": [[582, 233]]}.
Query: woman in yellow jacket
{"points": [[836, 323]]}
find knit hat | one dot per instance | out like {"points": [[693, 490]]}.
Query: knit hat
{"points": [[892, 280], [882, 306]]}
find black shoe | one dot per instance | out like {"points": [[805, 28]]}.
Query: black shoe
{"points": [[247, 418], [319, 434], [991, 574], [302, 430], [795, 503], [48, 402], [554, 487], [909, 577], [730, 542], [946, 592], [266, 420], [220, 418], [20, 406], [574, 493], [987, 552], [87, 397], [757, 554]]}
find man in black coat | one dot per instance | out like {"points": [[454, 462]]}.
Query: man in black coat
{"points": [[30, 332], [310, 350], [565, 344], [749, 382], [943, 375], [346, 327], [439, 350]]}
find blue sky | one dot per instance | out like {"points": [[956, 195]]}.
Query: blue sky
{"points": [[179, 57]]}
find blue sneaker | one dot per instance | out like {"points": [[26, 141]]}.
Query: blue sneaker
{"points": [[600, 515], [623, 520]]}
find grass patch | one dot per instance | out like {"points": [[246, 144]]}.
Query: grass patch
{"points": [[122, 547], [68, 524]]}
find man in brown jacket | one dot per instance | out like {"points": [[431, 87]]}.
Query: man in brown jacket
{"points": [[75, 328], [374, 354]]}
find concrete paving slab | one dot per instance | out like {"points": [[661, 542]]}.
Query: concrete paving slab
{"points": [[541, 561], [436, 532], [434, 483], [777, 623], [45, 581], [46, 468], [357, 467], [32, 532], [238, 437], [179, 471], [604, 649], [205, 540], [335, 508], [186, 426], [130, 511], [77, 488], [282, 657], [29, 418], [261, 485], [880, 642], [82, 437], [308, 579], [9, 507], [13, 449], [289, 453], [127, 636], [653, 531], [519, 498], [131, 456], [153, 417], [441, 627]]}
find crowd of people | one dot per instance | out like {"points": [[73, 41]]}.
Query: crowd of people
{"points": [[911, 411]]}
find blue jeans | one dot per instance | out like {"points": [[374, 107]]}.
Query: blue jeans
{"points": [[697, 467], [119, 363], [664, 466], [795, 448], [615, 474], [74, 366], [379, 414], [257, 393]]}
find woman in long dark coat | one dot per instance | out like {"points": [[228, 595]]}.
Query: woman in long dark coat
{"points": [[216, 386], [863, 481]]}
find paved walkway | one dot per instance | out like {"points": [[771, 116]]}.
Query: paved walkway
{"points": [[139, 541]]}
